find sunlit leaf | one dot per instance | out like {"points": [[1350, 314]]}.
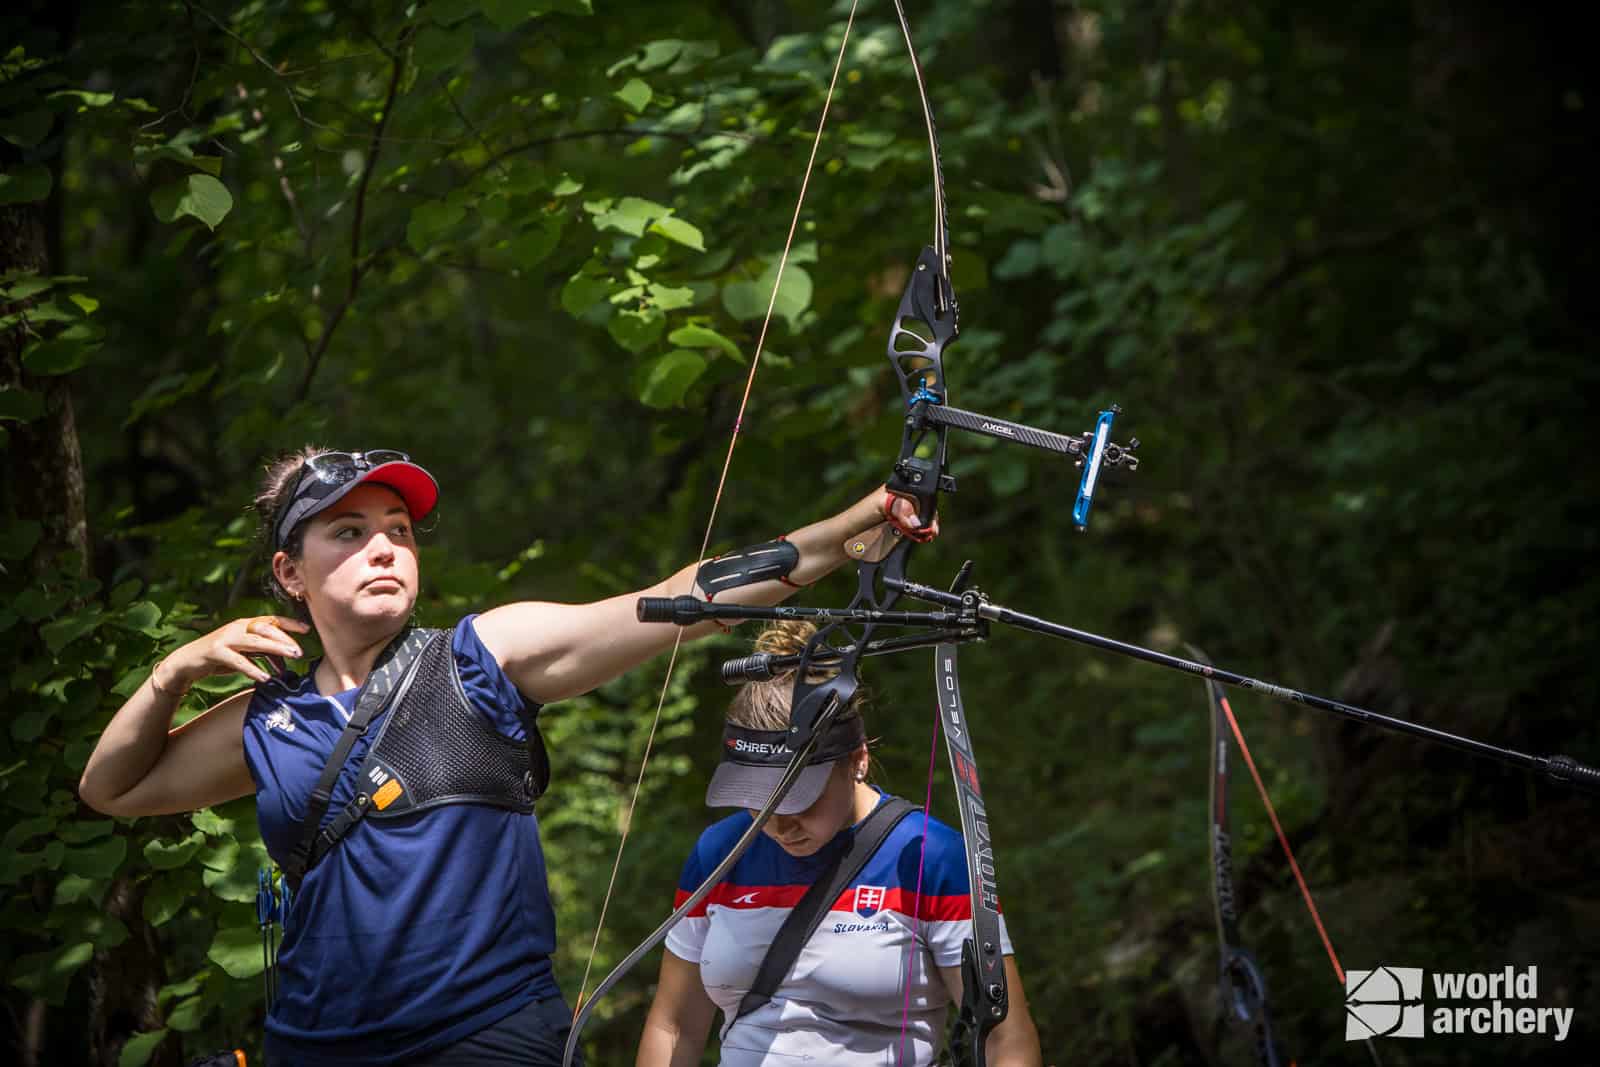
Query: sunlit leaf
{"points": [[138, 1049], [635, 95], [237, 950], [684, 233], [665, 380], [198, 195], [696, 336]]}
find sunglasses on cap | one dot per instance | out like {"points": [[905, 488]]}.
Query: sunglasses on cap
{"points": [[327, 476]]}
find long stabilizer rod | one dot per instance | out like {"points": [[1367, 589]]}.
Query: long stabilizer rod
{"points": [[1562, 769]]}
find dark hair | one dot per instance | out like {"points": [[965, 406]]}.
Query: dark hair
{"points": [[277, 483], [765, 705]]}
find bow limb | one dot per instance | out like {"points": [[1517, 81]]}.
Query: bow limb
{"points": [[1241, 986], [984, 999], [926, 322], [797, 763]]}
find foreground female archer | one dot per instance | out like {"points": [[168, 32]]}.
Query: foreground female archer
{"points": [[395, 778]]}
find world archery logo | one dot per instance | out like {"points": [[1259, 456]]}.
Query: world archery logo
{"points": [[1385, 1002]]}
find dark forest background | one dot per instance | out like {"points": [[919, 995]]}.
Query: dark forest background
{"points": [[1334, 260]]}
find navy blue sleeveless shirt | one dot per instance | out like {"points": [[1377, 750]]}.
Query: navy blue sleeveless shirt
{"points": [[413, 932]]}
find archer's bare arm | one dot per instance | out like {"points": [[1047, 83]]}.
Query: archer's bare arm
{"points": [[1015, 1042], [140, 766], [555, 651], [680, 1017]]}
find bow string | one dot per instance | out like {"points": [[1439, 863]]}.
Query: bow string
{"points": [[826, 671]]}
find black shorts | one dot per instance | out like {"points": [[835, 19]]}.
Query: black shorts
{"points": [[536, 1036]]}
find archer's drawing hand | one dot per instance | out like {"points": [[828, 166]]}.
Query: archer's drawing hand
{"points": [[227, 650]]}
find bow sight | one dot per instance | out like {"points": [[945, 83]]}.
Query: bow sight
{"points": [[925, 323]]}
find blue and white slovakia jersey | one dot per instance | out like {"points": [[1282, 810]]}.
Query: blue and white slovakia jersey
{"points": [[870, 963]]}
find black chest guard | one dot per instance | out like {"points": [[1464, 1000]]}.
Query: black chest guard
{"points": [[433, 748]]}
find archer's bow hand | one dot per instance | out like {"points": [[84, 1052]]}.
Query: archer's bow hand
{"points": [[901, 512]]}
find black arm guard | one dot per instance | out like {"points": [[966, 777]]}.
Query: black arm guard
{"points": [[769, 561]]}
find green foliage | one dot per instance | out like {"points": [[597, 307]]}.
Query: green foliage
{"points": [[534, 244]]}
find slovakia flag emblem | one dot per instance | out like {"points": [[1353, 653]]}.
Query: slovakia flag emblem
{"points": [[869, 898]]}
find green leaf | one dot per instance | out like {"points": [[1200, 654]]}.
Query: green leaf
{"points": [[96, 861], [75, 887], [431, 221], [26, 129], [450, 12], [36, 603], [197, 195], [84, 98], [166, 856], [237, 950], [179, 150], [748, 300], [62, 632], [665, 381], [530, 247], [187, 1015], [696, 336], [631, 214], [65, 352], [635, 95], [20, 405], [583, 291], [19, 285], [221, 857], [164, 899], [24, 185], [186, 988], [138, 1049], [46, 974], [668, 297], [230, 871], [637, 330], [143, 617], [438, 49], [29, 725], [678, 56], [210, 823], [684, 233], [167, 390], [82, 831], [23, 831]]}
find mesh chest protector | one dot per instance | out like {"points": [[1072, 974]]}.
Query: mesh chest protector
{"points": [[433, 748]]}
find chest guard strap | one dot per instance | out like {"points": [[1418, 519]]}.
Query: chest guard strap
{"points": [[433, 748]]}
